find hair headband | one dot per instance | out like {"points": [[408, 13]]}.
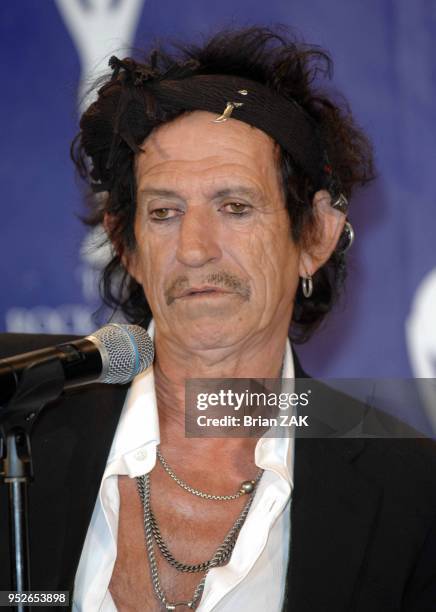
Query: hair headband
{"points": [[249, 101]]}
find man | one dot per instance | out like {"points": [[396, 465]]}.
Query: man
{"points": [[224, 177]]}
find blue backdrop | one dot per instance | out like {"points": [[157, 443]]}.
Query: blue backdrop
{"points": [[384, 64]]}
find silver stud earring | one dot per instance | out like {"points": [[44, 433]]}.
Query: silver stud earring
{"points": [[307, 286]]}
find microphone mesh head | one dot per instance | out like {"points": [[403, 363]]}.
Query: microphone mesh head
{"points": [[126, 350]]}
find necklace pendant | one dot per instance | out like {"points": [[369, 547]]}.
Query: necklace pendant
{"points": [[247, 486]]}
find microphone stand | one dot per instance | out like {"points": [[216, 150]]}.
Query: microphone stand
{"points": [[36, 385]]}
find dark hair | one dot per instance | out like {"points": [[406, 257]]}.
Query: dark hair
{"points": [[116, 124]]}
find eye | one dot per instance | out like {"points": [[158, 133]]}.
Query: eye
{"points": [[163, 214], [237, 208]]}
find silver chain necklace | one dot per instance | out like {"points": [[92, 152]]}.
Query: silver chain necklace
{"points": [[222, 554], [246, 487]]}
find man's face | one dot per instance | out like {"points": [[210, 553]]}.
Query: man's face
{"points": [[214, 252]]}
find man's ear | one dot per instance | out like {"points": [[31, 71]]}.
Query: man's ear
{"points": [[329, 225], [128, 259]]}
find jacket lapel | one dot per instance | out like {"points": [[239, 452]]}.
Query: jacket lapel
{"points": [[333, 511], [70, 448]]}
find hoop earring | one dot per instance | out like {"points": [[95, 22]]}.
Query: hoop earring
{"points": [[307, 286], [349, 232], [346, 239]]}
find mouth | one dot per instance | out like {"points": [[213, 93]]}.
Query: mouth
{"points": [[198, 292]]}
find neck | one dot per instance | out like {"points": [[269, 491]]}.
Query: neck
{"points": [[260, 357]]}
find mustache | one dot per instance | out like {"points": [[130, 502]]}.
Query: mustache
{"points": [[222, 279]]}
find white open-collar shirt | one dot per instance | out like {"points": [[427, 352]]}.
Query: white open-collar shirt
{"points": [[254, 578]]}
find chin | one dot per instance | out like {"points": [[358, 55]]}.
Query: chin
{"points": [[211, 333]]}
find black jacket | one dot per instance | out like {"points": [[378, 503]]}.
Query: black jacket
{"points": [[363, 511]]}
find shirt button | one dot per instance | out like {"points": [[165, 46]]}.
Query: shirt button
{"points": [[140, 454]]}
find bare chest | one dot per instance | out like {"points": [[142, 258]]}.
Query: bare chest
{"points": [[191, 528]]}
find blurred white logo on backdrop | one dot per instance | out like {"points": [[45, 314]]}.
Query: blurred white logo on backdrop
{"points": [[99, 29], [421, 339]]}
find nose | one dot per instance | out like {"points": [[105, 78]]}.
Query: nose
{"points": [[198, 240]]}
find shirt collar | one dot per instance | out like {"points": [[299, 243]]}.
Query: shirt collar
{"points": [[137, 434], [277, 454]]}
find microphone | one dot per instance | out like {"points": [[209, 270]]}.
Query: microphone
{"points": [[113, 354]]}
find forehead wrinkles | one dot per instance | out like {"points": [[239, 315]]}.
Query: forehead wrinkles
{"points": [[207, 182], [195, 137], [191, 154], [194, 145], [210, 175], [148, 163]]}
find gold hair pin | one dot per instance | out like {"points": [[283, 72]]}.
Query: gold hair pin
{"points": [[227, 111], [230, 107]]}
